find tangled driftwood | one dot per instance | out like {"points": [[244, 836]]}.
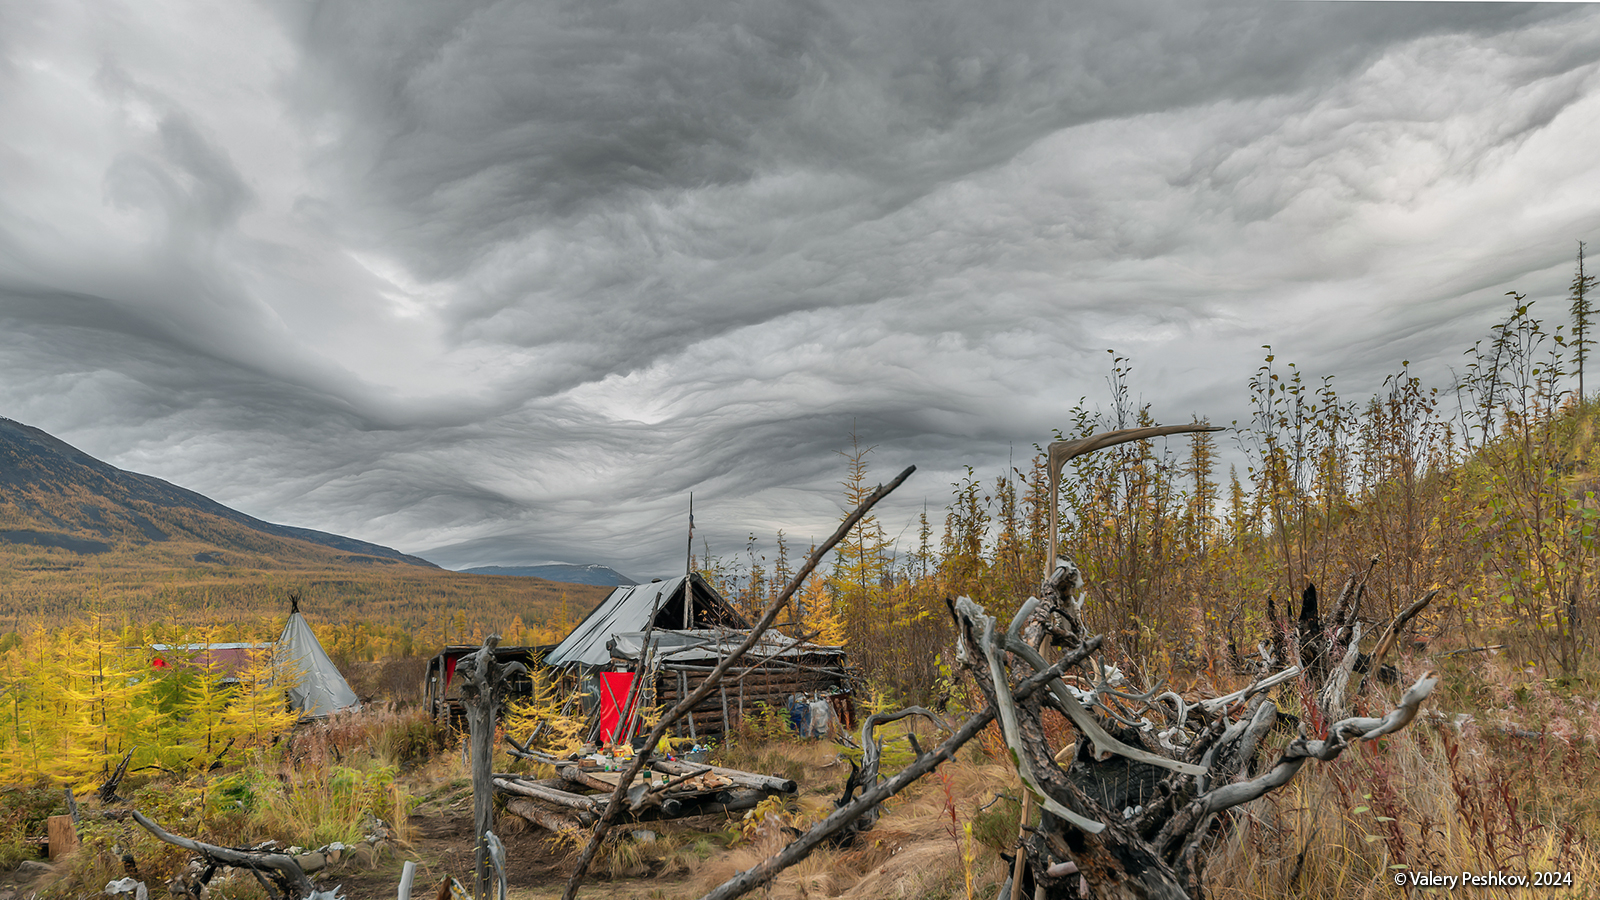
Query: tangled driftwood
{"points": [[1152, 848]]}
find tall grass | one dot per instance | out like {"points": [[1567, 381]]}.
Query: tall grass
{"points": [[1430, 799]]}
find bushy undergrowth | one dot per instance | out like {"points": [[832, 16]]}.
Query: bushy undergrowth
{"points": [[332, 780]]}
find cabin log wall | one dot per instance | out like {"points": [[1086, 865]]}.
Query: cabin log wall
{"points": [[771, 682]]}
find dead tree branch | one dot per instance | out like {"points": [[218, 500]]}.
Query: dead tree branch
{"points": [[1155, 854], [865, 776], [1391, 636], [279, 867]]}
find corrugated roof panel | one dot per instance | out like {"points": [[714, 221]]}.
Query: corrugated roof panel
{"points": [[628, 609], [702, 646]]}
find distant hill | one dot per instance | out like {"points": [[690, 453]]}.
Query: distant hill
{"points": [[54, 496], [569, 574]]}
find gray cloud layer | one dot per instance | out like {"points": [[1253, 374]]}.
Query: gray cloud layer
{"points": [[501, 283]]}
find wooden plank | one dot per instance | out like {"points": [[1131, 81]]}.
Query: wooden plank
{"points": [[747, 779], [607, 781], [63, 837]]}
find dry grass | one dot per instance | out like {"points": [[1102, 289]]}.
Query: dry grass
{"points": [[911, 853], [1503, 792]]}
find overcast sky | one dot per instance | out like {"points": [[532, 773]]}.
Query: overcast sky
{"points": [[503, 283]]}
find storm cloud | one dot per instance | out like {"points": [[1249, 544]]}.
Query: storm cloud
{"points": [[501, 283]]}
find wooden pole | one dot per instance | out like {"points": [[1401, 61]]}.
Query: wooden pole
{"points": [[482, 688], [551, 795], [406, 875], [688, 569], [683, 690]]}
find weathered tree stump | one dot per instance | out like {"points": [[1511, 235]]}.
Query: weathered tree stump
{"points": [[483, 690]]}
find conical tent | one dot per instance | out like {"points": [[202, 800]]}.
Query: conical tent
{"points": [[319, 689]]}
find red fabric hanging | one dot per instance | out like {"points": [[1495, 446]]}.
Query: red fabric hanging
{"points": [[614, 688]]}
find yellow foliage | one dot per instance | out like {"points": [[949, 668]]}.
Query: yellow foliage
{"points": [[75, 702], [539, 717]]}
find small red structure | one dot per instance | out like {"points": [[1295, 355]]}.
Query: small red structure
{"points": [[615, 688]]}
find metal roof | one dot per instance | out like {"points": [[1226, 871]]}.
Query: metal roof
{"points": [[629, 608], [709, 646]]}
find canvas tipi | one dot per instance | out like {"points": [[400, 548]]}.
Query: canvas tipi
{"points": [[318, 688]]}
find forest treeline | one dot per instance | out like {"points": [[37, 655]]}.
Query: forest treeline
{"points": [[1482, 488], [361, 615]]}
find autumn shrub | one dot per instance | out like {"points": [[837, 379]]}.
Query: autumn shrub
{"points": [[311, 806], [24, 810], [412, 737]]}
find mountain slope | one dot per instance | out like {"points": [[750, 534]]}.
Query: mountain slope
{"points": [[55, 496], [562, 572]]}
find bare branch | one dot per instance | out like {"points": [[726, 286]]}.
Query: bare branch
{"points": [[287, 873], [1104, 743], [1218, 703], [1060, 452], [873, 796], [1332, 700], [1190, 819], [1391, 635]]}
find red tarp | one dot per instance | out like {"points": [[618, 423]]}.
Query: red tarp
{"points": [[614, 688]]}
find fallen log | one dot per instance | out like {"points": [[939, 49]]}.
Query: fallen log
{"points": [[578, 776], [640, 796], [549, 795], [543, 816], [721, 802], [281, 868]]}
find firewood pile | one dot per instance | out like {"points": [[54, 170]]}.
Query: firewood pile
{"points": [[667, 789]]}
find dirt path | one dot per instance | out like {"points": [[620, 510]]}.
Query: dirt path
{"points": [[441, 842]]}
